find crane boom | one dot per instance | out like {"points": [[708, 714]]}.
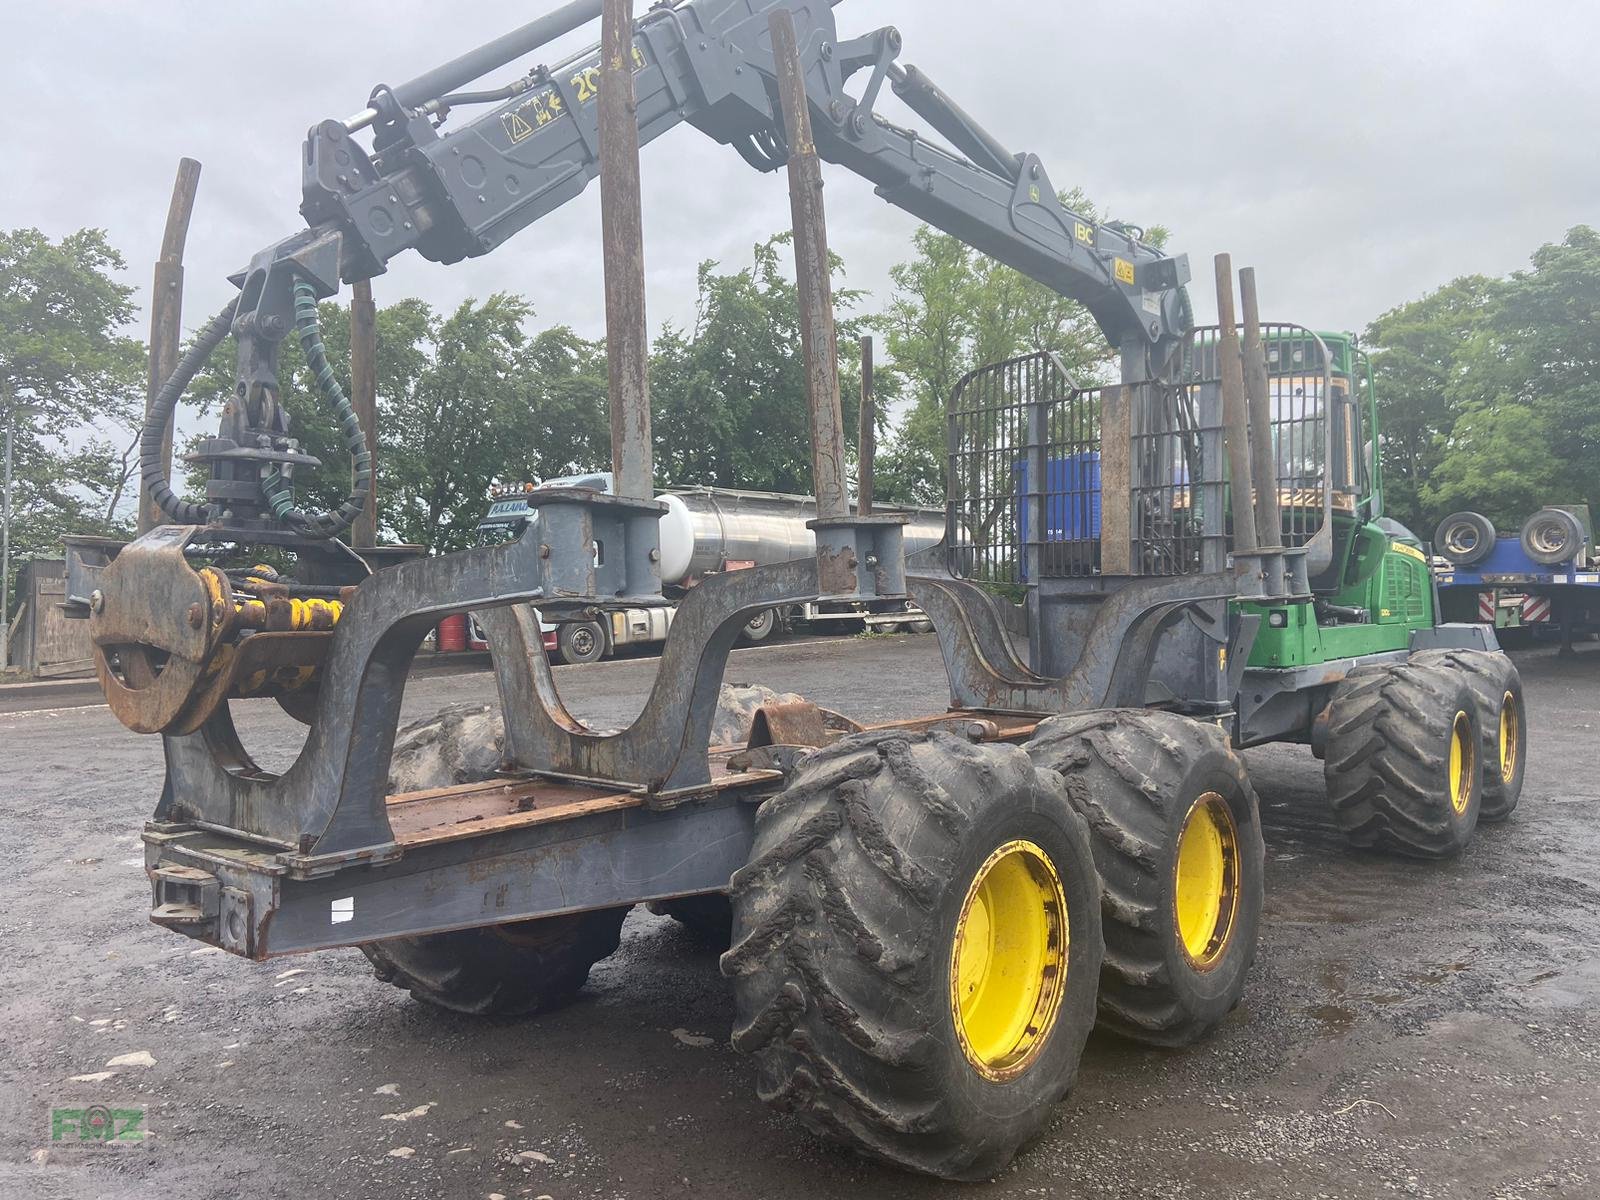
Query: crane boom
{"points": [[462, 192]]}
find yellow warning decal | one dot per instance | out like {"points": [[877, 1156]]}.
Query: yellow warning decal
{"points": [[516, 125], [1084, 233], [1124, 270], [538, 111]]}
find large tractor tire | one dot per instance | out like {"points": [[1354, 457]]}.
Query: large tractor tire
{"points": [[1177, 841], [1502, 723], [510, 970], [916, 948], [1402, 759]]}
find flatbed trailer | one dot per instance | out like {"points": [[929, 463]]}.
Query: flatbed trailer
{"points": [[1509, 582]]}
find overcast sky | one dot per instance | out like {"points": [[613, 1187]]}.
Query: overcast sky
{"points": [[1357, 153]]}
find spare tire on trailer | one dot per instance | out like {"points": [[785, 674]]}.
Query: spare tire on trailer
{"points": [[916, 949], [1464, 538], [1551, 536], [1177, 840]]}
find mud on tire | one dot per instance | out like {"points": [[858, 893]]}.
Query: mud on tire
{"points": [[1138, 777], [1502, 722], [845, 935], [1392, 731]]}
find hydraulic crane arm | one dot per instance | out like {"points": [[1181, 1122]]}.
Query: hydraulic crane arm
{"points": [[458, 193]]}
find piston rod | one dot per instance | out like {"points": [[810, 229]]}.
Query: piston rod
{"points": [[476, 63]]}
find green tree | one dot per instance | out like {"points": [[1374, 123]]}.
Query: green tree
{"points": [[1537, 358], [1416, 349], [64, 362], [955, 309], [728, 396], [464, 401], [492, 405], [1496, 461], [1490, 390]]}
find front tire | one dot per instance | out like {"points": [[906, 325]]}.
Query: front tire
{"points": [[916, 948], [1177, 841], [1502, 723], [1402, 759]]}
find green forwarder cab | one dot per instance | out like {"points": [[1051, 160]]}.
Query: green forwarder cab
{"points": [[1372, 597], [1375, 588]]}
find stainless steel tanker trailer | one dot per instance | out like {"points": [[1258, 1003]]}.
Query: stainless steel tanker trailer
{"points": [[708, 531]]}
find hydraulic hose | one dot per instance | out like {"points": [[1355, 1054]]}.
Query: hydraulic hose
{"points": [[157, 486], [274, 487]]}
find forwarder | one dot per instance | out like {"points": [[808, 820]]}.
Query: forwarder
{"points": [[926, 915]]}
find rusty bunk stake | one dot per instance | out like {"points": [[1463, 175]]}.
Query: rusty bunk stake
{"points": [[622, 238], [818, 338], [166, 318], [1235, 414], [867, 435], [1269, 522], [364, 399]]}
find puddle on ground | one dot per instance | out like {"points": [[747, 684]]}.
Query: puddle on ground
{"points": [[1342, 1010], [1336, 1017]]}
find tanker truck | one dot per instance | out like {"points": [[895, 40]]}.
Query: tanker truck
{"points": [[707, 531]]}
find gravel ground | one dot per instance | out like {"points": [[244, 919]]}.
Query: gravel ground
{"points": [[1420, 1030]]}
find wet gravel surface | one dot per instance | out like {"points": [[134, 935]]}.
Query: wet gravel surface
{"points": [[1415, 1030]]}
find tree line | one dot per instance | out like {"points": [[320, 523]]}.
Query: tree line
{"points": [[1488, 389]]}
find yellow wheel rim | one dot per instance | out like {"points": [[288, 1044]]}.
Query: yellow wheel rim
{"points": [[1205, 881], [1462, 756], [1008, 967], [1510, 733]]}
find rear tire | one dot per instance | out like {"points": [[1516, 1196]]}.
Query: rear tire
{"points": [[886, 1001], [510, 970], [1502, 723], [1177, 841], [708, 917], [1402, 759]]}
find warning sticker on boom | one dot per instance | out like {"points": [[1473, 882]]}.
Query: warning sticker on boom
{"points": [[534, 113], [517, 126], [1124, 270]]}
